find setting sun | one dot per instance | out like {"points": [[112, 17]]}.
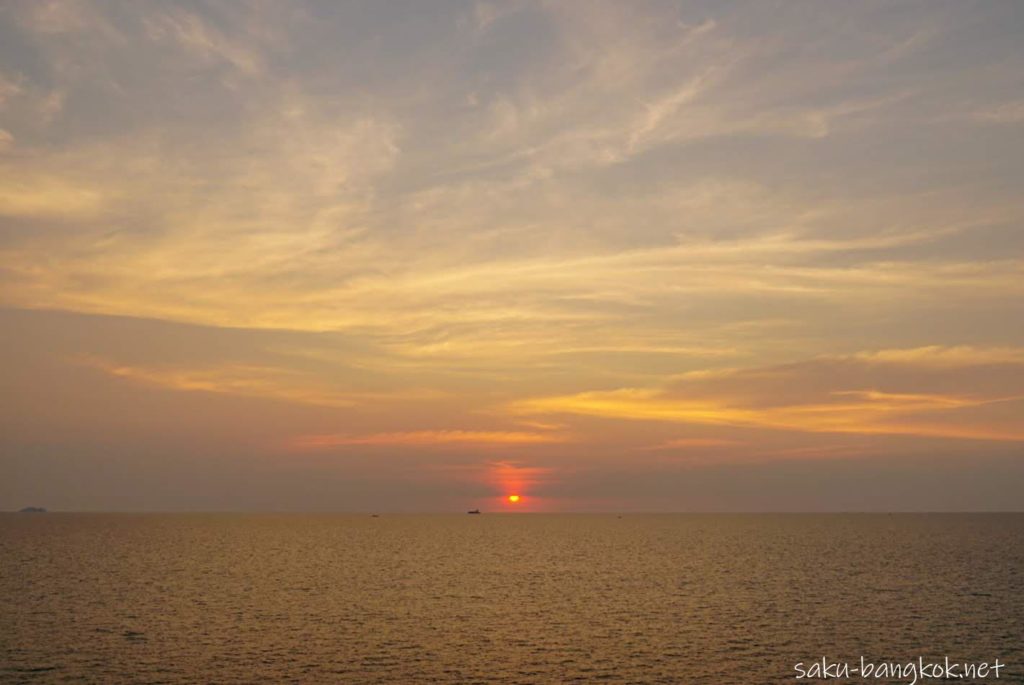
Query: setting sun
{"points": [[513, 498]]}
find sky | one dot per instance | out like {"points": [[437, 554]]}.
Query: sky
{"points": [[408, 256]]}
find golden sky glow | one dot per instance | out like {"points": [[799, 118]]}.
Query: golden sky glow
{"points": [[648, 255]]}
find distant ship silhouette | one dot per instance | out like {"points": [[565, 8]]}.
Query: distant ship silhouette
{"points": [[473, 511], [33, 510]]}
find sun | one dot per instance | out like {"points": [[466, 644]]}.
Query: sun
{"points": [[513, 498]]}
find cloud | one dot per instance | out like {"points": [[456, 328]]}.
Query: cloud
{"points": [[9, 88], [198, 39], [940, 357], [891, 392], [279, 384], [36, 197], [1006, 113], [56, 16], [686, 443], [426, 438], [555, 211]]}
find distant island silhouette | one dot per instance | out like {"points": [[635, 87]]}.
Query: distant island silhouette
{"points": [[32, 510]]}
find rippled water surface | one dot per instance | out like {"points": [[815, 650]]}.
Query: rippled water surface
{"points": [[492, 598]]}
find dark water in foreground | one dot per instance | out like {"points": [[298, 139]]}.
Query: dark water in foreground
{"points": [[517, 599]]}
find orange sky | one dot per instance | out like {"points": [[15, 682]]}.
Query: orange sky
{"points": [[645, 256]]}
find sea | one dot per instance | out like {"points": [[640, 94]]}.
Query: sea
{"points": [[506, 598]]}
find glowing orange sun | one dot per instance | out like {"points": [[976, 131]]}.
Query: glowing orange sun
{"points": [[513, 498]]}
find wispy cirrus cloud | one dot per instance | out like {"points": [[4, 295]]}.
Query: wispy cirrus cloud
{"points": [[264, 382], [426, 438], [961, 393]]}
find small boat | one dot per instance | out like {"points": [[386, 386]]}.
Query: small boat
{"points": [[473, 511]]}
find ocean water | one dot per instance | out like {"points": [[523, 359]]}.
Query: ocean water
{"points": [[112, 598]]}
